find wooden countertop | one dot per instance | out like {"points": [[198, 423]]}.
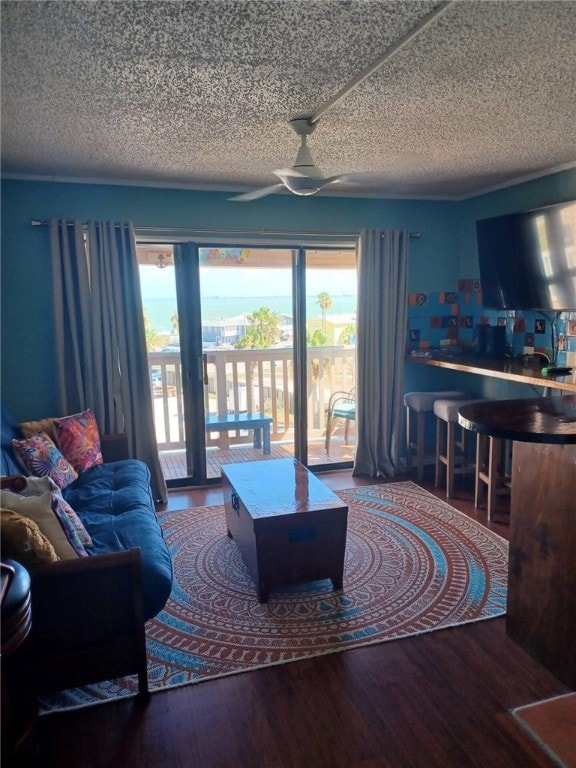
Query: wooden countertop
{"points": [[510, 370], [529, 420]]}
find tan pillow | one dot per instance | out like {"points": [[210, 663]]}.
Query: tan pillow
{"points": [[29, 428], [24, 541], [39, 509]]}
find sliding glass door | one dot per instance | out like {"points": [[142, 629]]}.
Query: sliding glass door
{"points": [[330, 322], [246, 347], [246, 305]]}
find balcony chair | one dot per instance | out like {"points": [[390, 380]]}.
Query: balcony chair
{"points": [[342, 405]]}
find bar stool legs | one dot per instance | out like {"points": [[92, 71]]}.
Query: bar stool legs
{"points": [[418, 404], [418, 446], [451, 443], [491, 477]]}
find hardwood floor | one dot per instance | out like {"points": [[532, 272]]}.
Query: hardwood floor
{"points": [[439, 700], [174, 462]]}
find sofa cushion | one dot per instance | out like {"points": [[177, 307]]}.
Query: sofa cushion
{"points": [[71, 524], [41, 457], [115, 505], [29, 428], [79, 439], [39, 509], [24, 541]]}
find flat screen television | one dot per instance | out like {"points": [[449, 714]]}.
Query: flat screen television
{"points": [[528, 259]]}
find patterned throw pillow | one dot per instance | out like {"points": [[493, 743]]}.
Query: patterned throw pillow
{"points": [[40, 457], [72, 526], [79, 439]]}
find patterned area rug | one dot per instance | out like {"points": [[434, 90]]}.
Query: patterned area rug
{"points": [[413, 564]]}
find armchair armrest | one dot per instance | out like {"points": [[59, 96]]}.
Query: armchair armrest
{"points": [[88, 621]]}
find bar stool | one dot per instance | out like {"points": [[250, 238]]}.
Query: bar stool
{"points": [[491, 475], [451, 445], [418, 404]]}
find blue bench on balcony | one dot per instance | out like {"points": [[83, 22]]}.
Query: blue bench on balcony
{"points": [[227, 422]]}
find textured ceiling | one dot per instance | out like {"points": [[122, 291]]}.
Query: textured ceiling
{"points": [[199, 93]]}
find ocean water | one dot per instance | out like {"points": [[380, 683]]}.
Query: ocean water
{"points": [[216, 307]]}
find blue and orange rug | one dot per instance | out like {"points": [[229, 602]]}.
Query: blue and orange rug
{"points": [[413, 564]]}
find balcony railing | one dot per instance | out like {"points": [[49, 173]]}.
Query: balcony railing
{"points": [[259, 381]]}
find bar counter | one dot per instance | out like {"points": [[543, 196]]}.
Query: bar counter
{"points": [[507, 369], [541, 611]]}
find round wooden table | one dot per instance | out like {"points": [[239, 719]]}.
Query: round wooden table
{"points": [[530, 420], [541, 612]]}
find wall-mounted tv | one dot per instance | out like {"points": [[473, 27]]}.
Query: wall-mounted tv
{"points": [[528, 259]]}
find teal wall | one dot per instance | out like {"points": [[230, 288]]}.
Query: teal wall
{"points": [[445, 252]]}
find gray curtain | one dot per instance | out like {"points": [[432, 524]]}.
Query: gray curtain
{"points": [[100, 340], [380, 345]]}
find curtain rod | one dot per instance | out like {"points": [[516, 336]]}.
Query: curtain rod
{"points": [[192, 231]]}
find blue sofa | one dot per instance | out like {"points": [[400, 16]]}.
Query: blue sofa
{"points": [[99, 603]]}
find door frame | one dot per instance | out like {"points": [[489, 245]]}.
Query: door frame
{"points": [[187, 274], [188, 297]]}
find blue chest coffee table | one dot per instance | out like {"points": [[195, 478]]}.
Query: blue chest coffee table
{"points": [[288, 525]]}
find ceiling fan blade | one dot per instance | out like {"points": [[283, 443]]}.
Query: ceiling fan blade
{"points": [[283, 173], [257, 193], [352, 178], [343, 177]]}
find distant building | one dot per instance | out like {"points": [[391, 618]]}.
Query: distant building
{"points": [[333, 326], [224, 332], [227, 330]]}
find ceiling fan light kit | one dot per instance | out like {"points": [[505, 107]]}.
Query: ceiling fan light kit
{"points": [[300, 186]]}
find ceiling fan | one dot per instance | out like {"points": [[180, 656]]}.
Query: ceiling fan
{"points": [[304, 177]]}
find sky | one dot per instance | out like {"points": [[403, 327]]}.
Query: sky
{"points": [[159, 283]]}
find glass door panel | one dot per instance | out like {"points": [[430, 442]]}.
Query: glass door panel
{"points": [[331, 293], [162, 323], [247, 339]]}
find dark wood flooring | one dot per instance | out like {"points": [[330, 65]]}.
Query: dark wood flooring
{"points": [[439, 700]]}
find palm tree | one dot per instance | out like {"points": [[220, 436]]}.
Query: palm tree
{"points": [[317, 339], [347, 335], [263, 330], [325, 301]]}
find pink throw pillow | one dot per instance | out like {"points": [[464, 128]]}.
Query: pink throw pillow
{"points": [[79, 439]]}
